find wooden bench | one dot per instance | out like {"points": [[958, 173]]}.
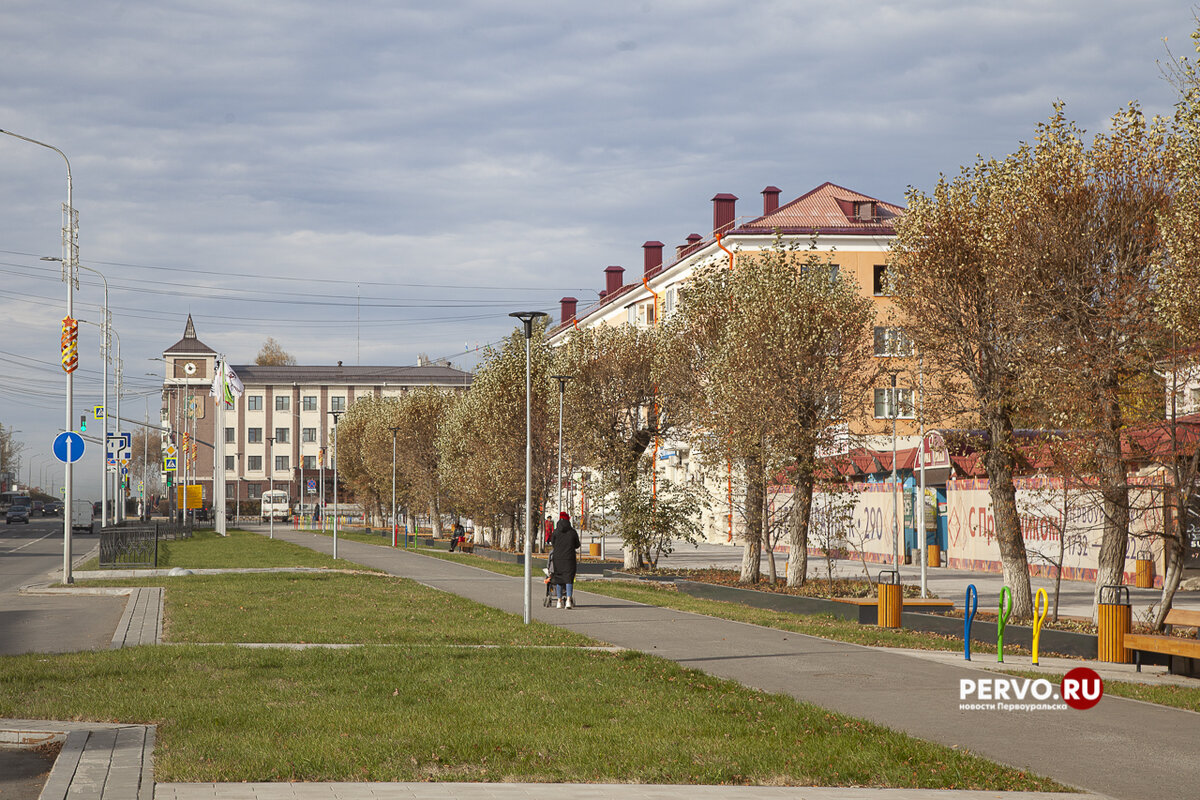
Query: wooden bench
{"points": [[1173, 647], [467, 547]]}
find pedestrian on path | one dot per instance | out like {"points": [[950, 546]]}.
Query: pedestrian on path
{"points": [[563, 544]]}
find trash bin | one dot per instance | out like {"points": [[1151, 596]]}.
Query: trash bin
{"points": [[1145, 570], [1115, 619], [594, 549], [934, 555], [891, 602]]}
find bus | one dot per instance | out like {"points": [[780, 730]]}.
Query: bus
{"points": [[275, 504], [8, 499]]}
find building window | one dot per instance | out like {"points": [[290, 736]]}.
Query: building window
{"points": [[891, 342], [230, 463], [254, 463], [650, 313], [1196, 397], [881, 280], [308, 434], [668, 303], [337, 403], [281, 435], [254, 435], [229, 436], [254, 402], [884, 405], [283, 402], [254, 490], [631, 315], [231, 489], [281, 463], [310, 462], [310, 402]]}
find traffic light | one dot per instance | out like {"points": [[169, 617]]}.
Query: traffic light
{"points": [[170, 479], [83, 422]]}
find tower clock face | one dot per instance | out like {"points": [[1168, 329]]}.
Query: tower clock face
{"points": [[189, 368]]}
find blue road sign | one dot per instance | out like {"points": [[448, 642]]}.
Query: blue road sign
{"points": [[312, 486], [68, 447]]}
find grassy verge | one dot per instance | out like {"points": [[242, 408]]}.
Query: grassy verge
{"points": [[240, 549], [429, 708], [429, 713], [1185, 697]]}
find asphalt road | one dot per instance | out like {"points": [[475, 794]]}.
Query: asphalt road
{"points": [[33, 553]]}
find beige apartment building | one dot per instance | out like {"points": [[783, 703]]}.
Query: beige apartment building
{"points": [[279, 434]]}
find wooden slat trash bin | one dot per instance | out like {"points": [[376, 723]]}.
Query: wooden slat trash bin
{"points": [[1145, 570], [1115, 619], [594, 549], [934, 555], [891, 601]]}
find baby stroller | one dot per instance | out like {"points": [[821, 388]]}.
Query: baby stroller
{"points": [[549, 600]]}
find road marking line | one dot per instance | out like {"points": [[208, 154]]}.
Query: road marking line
{"points": [[22, 547]]}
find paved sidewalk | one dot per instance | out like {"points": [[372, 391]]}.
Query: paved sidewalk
{"points": [[1122, 748]]}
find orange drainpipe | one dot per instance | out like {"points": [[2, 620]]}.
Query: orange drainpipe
{"points": [[728, 464], [657, 442]]}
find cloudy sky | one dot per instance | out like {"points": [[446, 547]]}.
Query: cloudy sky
{"points": [[368, 180]]}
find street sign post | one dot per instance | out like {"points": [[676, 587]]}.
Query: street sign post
{"points": [[68, 447]]}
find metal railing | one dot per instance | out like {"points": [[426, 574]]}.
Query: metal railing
{"points": [[136, 544]]}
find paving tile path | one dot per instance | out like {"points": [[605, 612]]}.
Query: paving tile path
{"points": [[1122, 748]]}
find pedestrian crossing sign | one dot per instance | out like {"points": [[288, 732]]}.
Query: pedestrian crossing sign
{"points": [[169, 464]]}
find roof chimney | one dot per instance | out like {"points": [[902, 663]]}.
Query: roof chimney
{"points": [[613, 279], [770, 199], [723, 212], [603, 293], [567, 305], [652, 252], [682, 249]]}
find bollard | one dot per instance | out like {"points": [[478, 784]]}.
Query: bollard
{"points": [[891, 602], [1144, 576], [1002, 620], [969, 609], [1115, 619], [1042, 602]]}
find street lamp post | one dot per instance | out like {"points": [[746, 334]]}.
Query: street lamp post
{"points": [[895, 487], [271, 485], [336, 416], [70, 232], [395, 530], [562, 387], [527, 318]]}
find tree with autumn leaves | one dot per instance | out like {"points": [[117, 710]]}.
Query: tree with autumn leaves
{"points": [[776, 356]]}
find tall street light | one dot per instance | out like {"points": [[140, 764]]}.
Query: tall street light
{"points": [[70, 238], [562, 387], [527, 317], [394, 530], [895, 486], [336, 416], [106, 357], [271, 485]]}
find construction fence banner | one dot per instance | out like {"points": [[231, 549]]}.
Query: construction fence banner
{"points": [[1057, 523]]}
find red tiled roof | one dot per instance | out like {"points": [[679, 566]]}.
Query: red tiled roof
{"points": [[827, 209]]}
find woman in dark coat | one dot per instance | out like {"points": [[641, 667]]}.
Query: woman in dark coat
{"points": [[563, 544]]}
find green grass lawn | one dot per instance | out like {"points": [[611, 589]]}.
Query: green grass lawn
{"points": [[444, 689], [505, 714], [240, 549]]}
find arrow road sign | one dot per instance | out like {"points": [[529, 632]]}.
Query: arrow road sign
{"points": [[68, 447]]}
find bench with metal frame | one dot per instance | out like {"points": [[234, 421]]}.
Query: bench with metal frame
{"points": [[1181, 652]]}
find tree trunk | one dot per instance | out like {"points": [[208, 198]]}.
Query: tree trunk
{"points": [[1114, 493], [799, 522], [435, 517], [1173, 548], [752, 549], [999, 460]]}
